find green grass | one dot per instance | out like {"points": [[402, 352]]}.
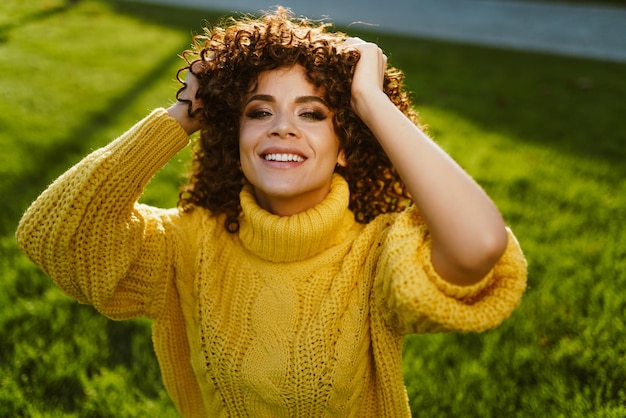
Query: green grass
{"points": [[544, 135]]}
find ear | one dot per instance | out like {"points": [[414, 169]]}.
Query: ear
{"points": [[341, 159]]}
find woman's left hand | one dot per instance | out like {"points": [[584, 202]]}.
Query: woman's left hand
{"points": [[369, 74]]}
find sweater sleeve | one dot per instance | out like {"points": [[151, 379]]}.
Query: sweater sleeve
{"points": [[89, 235], [417, 300]]}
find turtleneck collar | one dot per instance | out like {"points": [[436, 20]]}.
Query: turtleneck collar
{"points": [[297, 237]]}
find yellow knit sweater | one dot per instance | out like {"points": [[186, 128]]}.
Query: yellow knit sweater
{"points": [[299, 316]]}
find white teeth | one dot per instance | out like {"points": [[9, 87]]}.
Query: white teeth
{"points": [[283, 157]]}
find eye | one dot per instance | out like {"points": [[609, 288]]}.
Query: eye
{"points": [[313, 115], [258, 114]]}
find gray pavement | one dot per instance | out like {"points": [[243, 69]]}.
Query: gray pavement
{"points": [[597, 32]]}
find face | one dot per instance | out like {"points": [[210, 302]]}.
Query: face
{"points": [[288, 146]]}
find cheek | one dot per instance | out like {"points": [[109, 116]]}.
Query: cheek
{"points": [[246, 140], [246, 153], [332, 144]]}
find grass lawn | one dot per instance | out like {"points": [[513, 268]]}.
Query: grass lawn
{"points": [[544, 135]]}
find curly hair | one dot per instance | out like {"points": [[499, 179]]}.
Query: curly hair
{"points": [[233, 55]]}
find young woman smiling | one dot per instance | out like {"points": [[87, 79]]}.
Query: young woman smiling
{"points": [[320, 225]]}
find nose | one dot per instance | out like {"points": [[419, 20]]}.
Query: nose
{"points": [[284, 126]]}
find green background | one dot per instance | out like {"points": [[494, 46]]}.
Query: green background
{"points": [[544, 135]]}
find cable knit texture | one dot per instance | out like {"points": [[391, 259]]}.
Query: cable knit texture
{"points": [[295, 316]]}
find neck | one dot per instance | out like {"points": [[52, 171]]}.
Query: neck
{"points": [[292, 205], [296, 237]]}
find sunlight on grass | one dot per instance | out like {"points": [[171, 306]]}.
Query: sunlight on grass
{"points": [[566, 211], [541, 134]]}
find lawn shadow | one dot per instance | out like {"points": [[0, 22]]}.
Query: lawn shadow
{"points": [[50, 161], [180, 18], [571, 105], [39, 15]]}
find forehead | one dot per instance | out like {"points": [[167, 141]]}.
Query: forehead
{"points": [[285, 80]]}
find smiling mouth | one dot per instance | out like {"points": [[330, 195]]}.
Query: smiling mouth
{"points": [[284, 157]]}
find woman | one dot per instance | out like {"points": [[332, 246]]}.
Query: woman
{"points": [[319, 226]]}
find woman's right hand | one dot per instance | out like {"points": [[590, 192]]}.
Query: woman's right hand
{"points": [[180, 110]]}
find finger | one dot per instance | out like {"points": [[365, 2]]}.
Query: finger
{"points": [[196, 67], [350, 44], [353, 40]]}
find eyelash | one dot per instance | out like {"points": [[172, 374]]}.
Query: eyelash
{"points": [[309, 114], [313, 114], [257, 114]]}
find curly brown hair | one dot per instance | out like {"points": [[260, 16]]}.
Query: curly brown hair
{"points": [[233, 55]]}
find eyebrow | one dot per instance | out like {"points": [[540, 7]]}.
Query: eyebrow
{"points": [[299, 99]]}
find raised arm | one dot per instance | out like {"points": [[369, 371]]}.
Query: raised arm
{"points": [[468, 232], [87, 231]]}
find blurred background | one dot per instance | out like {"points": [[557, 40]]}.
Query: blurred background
{"points": [[583, 28], [528, 96]]}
